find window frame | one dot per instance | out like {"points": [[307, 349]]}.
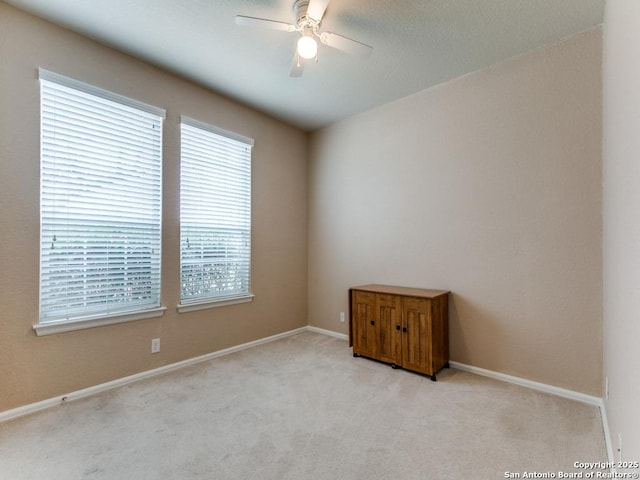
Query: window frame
{"points": [[59, 322], [200, 303]]}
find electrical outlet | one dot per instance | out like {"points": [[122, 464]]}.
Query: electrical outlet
{"points": [[155, 345], [342, 317]]}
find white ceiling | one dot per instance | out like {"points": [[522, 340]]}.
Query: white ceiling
{"points": [[417, 44]]}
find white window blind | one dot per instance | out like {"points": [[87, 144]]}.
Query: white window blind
{"points": [[215, 213], [100, 232]]}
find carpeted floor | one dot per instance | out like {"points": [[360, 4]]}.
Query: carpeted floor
{"points": [[303, 408]]}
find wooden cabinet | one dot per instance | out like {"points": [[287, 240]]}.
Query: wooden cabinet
{"points": [[405, 327]]}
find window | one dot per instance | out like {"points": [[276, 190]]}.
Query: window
{"points": [[215, 216], [100, 206]]}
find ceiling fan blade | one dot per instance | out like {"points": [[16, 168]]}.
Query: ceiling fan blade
{"points": [[264, 23], [316, 9], [296, 66], [346, 44]]}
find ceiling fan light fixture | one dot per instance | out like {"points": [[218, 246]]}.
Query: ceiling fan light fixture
{"points": [[307, 47], [308, 24]]}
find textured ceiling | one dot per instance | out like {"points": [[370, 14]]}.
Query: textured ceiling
{"points": [[417, 44]]}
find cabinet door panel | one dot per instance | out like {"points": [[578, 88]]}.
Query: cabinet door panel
{"points": [[416, 335], [389, 321], [363, 306]]}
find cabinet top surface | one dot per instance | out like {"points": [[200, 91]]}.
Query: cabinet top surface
{"points": [[406, 291]]}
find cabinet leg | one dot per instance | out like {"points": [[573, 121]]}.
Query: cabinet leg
{"points": [[355, 355], [433, 378], [394, 366], [446, 365]]}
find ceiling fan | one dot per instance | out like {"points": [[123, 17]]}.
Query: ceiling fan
{"points": [[308, 14]]}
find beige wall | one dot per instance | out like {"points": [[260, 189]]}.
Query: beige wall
{"points": [[489, 186], [35, 368], [621, 215]]}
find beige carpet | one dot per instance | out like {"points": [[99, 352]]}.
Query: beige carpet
{"points": [[303, 408]]}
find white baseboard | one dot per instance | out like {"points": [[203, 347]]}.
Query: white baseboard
{"points": [[330, 333], [607, 433], [86, 392], [542, 387]]}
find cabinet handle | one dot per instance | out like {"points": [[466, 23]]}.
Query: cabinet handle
{"points": [[372, 322], [404, 329], [397, 327]]}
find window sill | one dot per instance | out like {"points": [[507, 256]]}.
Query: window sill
{"points": [[95, 321], [220, 302]]}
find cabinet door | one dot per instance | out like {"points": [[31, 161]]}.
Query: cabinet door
{"points": [[363, 323], [389, 324], [416, 335]]}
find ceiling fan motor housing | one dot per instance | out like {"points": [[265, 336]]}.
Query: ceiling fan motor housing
{"points": [[303, 21]]}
